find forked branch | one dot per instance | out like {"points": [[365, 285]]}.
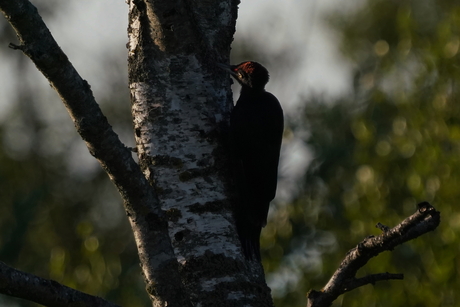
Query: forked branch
{"points": [[426, 219]]}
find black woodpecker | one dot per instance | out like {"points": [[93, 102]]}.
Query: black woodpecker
{"points": [[256, 130]]}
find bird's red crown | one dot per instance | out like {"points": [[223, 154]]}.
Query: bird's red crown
{"points": [[251, 74], [248, 67]]}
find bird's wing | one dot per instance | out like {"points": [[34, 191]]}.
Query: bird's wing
{"points": [[256, 134]]}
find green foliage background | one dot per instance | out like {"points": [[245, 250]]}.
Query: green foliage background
{"points": [[392, 142]]}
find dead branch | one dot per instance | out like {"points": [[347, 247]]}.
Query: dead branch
{"points": [[426, 219]]}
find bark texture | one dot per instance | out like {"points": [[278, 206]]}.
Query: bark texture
{"points": [[181, 102], [141, 203], [44, 291]]}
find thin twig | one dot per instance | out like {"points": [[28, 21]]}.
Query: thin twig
{"points": [[370, 279], [16, 47]]}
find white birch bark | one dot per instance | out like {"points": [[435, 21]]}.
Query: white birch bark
{"points": [[180, 99]]}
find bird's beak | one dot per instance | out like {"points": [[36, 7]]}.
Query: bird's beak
{"points": [[227, 68]]}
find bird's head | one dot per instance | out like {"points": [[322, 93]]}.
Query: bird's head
{"points": [[249, 74]]}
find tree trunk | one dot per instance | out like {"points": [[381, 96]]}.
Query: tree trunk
{"points": [[181, 102]]}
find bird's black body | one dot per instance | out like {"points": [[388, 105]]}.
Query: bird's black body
{"points": [[256, 129]]}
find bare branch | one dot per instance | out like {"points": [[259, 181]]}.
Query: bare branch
{"points": [[141, 203], [424, 220], [44, 291]]}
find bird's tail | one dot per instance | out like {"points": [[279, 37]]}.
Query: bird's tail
{"points": [[249, 235]]}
